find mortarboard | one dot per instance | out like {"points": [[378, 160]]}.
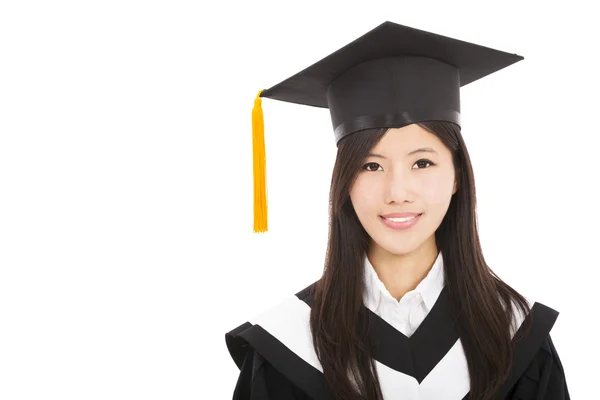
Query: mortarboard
{"points": [[391, 76]]}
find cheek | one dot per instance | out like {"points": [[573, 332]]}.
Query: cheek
{"points": [[363, 197], [437, 191]]}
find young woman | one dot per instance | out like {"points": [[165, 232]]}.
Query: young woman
{"points": [[407, 307]]}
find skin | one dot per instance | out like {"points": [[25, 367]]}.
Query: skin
{"points": [[423, 182]]}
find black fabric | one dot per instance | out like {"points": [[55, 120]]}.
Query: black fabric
{"points": [[543, 319], [393, 92], [418, 354], [236, 344], [266, 364], [259, 380], [392, 76], [287, 362], [544, 379], [253, 338]]}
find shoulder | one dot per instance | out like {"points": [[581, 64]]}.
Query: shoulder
{"points": [[542, 317], [259, 380], [281, 336], [286, 319], [544, 376], [534, 354]]}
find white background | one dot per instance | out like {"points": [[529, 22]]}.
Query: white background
{"points": [[126, 244]]}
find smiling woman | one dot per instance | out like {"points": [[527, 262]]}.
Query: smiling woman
{"points": [[398, 183], [407, 306]]}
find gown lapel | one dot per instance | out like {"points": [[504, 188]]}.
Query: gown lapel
{"points": [[429, 363]]}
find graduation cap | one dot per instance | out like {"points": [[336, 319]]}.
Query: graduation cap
{"points": [[392, 76]]}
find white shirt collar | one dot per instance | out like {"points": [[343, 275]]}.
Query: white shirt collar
{"points": [[429, 288]]}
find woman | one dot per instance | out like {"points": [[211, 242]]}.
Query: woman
{"points": [[407, 307]]}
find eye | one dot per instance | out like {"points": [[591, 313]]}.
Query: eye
{"points": [[424, 161], [367, 165]]}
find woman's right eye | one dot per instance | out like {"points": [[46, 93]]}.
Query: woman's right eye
{"points": [[366, 166]]}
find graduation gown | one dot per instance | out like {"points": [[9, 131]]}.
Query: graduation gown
{"points": [[277, 361]]}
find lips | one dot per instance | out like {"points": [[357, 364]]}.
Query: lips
{"points": [[399, 223], [401, 219], [401, 215]]}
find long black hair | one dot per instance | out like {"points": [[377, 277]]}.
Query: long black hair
{"points": [[478, 298]]}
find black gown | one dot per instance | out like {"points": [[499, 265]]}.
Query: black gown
{"points": [[537, 370]]}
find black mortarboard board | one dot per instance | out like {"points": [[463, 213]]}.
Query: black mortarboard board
{"points": [[391, 76]]}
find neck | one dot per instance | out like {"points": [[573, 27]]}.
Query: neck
{"points": [[401, 273]]}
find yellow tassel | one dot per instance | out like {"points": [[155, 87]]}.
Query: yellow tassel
{"points": [[260, 166]]}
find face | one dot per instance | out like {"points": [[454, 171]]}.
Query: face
{"points": [[398, 177]]}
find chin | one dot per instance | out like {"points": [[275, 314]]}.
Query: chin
{"points": [[398, 246]]}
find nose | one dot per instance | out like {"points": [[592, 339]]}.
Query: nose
{"points": [[398, 188]]}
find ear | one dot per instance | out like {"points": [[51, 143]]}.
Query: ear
{"points": [[455, 187]]}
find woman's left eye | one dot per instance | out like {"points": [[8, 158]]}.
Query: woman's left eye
{"points": [[424, 161]]}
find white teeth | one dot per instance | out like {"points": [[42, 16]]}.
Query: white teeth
{"points": [[401, 219]]}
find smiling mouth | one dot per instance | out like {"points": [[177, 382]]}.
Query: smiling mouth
{"points": [[400, 223], [402, 219]]}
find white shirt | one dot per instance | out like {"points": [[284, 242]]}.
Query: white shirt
{"points": [[407, 314]]}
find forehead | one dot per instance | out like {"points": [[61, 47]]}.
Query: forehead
{"points": [[407, 138]]}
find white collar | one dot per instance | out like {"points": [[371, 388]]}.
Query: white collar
{"points": [[429, 288]]}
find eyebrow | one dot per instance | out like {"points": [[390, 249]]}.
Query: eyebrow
{"points": [[419, 150]]}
